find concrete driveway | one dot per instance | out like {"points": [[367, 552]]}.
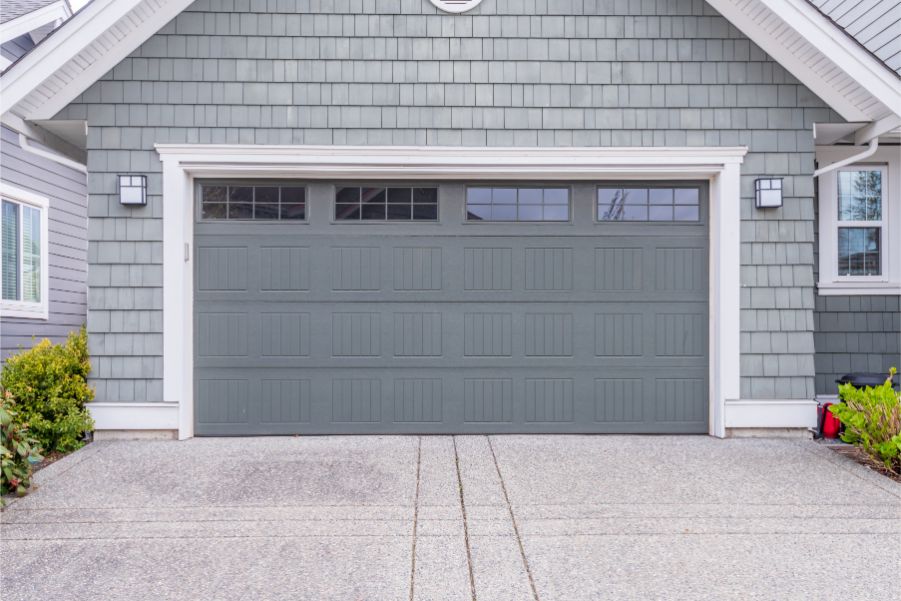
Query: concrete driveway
{"points": [[491, 518]]}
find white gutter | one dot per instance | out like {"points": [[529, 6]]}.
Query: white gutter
{"points": [[873, 147], [56, 158]]}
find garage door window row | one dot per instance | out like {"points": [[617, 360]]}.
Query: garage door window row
{"points": [[628, 203], [386, 204], [256, 203]]}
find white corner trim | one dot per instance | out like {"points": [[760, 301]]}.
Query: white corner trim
{"points": [[134, 416], [184, 162], [22, 309], [771, 414], [28, 22]]}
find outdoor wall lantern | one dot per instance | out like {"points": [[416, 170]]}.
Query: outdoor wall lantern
{"points": [[133, 190], [768, 192]]}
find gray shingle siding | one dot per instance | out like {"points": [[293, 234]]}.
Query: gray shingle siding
{"points": [[511, 73], [66, 188]]}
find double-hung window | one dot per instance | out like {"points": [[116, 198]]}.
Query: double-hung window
{"points": [[23, 261], [859, 213]]}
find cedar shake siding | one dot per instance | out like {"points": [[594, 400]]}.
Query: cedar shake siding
{"points": [[399, 72]]}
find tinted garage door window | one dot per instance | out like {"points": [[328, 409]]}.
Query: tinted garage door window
{"points": [[359, 307]]}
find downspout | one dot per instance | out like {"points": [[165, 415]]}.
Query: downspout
{"points": [[873, 147], [27, 147]]}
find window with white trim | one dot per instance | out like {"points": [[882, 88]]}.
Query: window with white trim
{"points": [[859, 224], [23, 254]]}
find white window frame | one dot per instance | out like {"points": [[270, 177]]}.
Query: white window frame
{"points": [[888, 161], [25, 309]]}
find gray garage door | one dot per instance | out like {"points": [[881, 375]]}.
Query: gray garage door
{"points": [[361, 307]]}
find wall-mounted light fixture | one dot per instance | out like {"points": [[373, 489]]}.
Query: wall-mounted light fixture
{"points": [[133, 190], [768, 192]]}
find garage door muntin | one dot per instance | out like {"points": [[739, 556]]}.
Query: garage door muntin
{"points": [[532, 379]]}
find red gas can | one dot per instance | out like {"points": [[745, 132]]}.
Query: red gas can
{"points": [[830, 426]]}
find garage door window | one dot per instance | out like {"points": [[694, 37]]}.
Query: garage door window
{"points": [[357, 203], [265, 202], [517, 204], [628, 203]]}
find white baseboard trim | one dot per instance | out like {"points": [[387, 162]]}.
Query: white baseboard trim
{"points": [[756, 413], [134, 416]]}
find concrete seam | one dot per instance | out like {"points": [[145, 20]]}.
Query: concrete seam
{"points": [[522, 549], [472, 578], [415, 516]]}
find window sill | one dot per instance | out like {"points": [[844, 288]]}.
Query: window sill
{"points": [[24, 311], [858, 288]]}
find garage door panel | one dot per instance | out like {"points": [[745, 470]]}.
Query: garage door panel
{"points": [[324, 327]]}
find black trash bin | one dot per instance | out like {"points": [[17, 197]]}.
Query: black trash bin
{"points": [[866, 378]]}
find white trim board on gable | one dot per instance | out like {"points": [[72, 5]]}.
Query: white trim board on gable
{"points": [[183, 163]]}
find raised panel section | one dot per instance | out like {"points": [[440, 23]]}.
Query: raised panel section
{"points": [[549, 334], [488, 268], [284, 401], [680, 269], [618, 400], [618, 269], [285, 334], [488, 335], [417, 334], [488, 400], [549, 269], [221, 268], [680, 334], [221, 335], [549, 400], [356, 268], [618, 335], [356, 334], [418, 268], [681, 400], [222, 401], [356, 400], [418, 400], [284, 268]]}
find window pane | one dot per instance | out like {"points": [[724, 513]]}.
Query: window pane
{"points": [[478, 196], [556, 213], [635, 196], [399, 212], [858, 251], [265, 211], [530, 213], [31, 255], [648, 204], [661, 196], [292, 210], [660, 213], [503, 213], [610, 204], [240, 210], [373, 196], [634, 213], [213, 193], [399, 195], [10, 251], [347, 195], [293, 195], [478, 212], [425, 212], [373, 211], [686, 213], [505, 196], [517, 204], [267, 195], [425, 195], [860, 196], [214, 210], [347, 212], [533, 196], [240, 194], [686, 196], [557, 196]]}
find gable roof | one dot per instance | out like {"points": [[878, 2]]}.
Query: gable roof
{"points": [[874, 24], [794, 32], [13, 9]]}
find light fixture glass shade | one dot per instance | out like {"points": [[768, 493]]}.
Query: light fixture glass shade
{"points": [[133, 189], [768, 192]]}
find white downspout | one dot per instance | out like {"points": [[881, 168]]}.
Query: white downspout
{"points": [[873, 147], [27, 147]]}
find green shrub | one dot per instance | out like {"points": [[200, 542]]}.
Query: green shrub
{"points": [[18, 451], [872, 419], [49, 383]]}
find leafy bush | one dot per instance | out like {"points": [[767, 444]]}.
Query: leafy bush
{"points": [[49, 383], [872, 419], [18, 451]]}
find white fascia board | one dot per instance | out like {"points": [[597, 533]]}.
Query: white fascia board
{"points": [[833, 43], [35, 19], [72, 38]]}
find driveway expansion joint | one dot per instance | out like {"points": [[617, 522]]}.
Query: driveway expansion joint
{"points": [[472, 578], [415, 516]]}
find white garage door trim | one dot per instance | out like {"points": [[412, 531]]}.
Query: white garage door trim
{"points": [[182, 163]]}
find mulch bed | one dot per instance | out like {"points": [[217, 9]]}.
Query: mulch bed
{"points": [[865, 460], [49, 458]]}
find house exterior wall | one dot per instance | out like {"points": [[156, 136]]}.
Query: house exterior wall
{"points": [[399, 72], [66, 188]]}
